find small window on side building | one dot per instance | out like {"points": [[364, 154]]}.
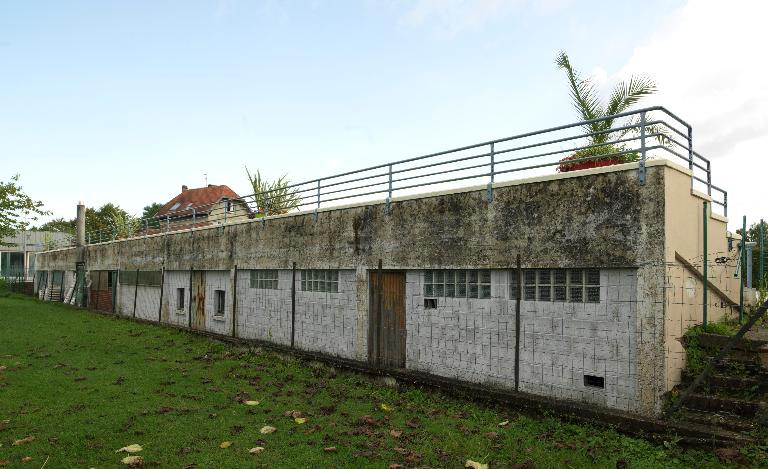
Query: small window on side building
{"points": [[180, 299], [219, 299]]}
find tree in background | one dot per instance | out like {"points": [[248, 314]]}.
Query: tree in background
{"points": [[150, 213], [586, 100], [753, 235], [273, 197], [15, 208], [59, 225]]}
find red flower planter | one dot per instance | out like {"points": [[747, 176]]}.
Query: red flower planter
{"points": [[565, 166]]}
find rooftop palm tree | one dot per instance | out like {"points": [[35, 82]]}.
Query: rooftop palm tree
{"points": [[588, 105]]}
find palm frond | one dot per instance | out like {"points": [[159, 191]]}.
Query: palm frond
{"points": [[584, 94], [628, 93]]}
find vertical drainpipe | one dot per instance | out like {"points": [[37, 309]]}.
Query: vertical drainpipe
{"points": [[517, 322], [234, 302], [762, 255], [293, 304], [704, 267], [743, 267]]}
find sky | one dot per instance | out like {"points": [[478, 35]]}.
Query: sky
{"points": [[126, 101]]}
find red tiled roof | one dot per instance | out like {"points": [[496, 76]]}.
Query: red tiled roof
{"points": [[201, 199]]}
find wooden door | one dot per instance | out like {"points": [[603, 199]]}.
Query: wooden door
{"points": [[386, 337], [198, 300]]}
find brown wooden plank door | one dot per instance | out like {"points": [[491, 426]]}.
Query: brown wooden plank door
{"points": [[387, 334], [198, 300], [102, 292]]}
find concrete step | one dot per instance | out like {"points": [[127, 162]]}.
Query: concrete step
{"points": [[745, 386], [716, 341], [717, 404], [722, 420], [734, 366]]}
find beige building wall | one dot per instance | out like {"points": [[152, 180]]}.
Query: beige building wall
{"points": [[237, 213], [684, 292]]}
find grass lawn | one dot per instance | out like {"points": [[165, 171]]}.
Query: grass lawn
{"points": [[84, 385]]}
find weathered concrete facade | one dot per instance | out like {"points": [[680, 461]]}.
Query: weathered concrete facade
{"points": [[600, 219]]}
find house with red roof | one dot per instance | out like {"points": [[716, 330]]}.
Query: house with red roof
{"points": [[203, 206]]}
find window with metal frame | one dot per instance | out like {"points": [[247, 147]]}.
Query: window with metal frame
{"points": [[320, 281], [457, 283], [264, 279], [180, 297], [219, 300]]}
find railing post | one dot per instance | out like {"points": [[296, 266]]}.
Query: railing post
{"points": [[709, 178], [690, 148], [725, 204], [318, 199], [643, 155], [388, 205], [489, 194]]}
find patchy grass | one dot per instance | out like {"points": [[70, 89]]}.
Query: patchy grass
{"points": [[84, 385]]}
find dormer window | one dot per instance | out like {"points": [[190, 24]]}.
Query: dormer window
{"points": [[175, 206]]}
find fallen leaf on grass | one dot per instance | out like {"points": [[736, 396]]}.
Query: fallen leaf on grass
{"points": [[395, 433], [330, 449], [4, 462], [385, 407], [265, 430], [504, 423], [412, 424], [134, 448], [395, 466], [27, 458], [256, 450], [296, 414], [251, 402], [300, 420], [133, 461], [491, 435], [475, 464], [22, 441], [225, 444], [3, 368]]}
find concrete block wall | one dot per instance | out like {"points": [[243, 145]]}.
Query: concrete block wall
{"points": [[264, 314], [326, 322], [125, 299], [147, 302], [474, 340], [684, 306], [218, 280], [173, 312]]}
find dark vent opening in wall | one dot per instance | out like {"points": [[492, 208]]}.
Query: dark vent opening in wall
{"points": [[430, 303], [594, 381]]}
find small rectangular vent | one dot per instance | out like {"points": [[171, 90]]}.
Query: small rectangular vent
{"points": [[430, 303], [594, 381]]}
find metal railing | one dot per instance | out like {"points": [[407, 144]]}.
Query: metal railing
{"points": [[637, 136]]}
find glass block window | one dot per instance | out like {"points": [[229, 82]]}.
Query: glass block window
{"points": [[561, 285], [593, 285], [320, 280], [457, 283], [529, 285], [142, 278], [264, 279], [514, 285]]}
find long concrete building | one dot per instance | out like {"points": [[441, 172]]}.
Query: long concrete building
{"points": [[576, 286]]}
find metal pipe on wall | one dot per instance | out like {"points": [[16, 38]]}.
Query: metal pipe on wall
{"points": [[705, 220]]}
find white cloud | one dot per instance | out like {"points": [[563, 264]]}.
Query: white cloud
{"points": [[707, 59]]}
